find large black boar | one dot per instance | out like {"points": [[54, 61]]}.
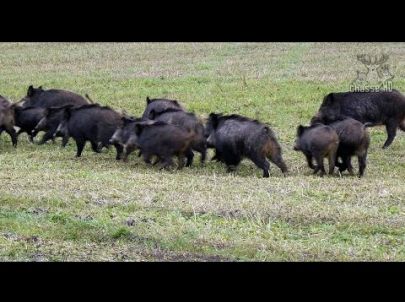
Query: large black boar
{"points": [[377, 108], [354, 140], [7, 119], [189, 122], [50, 121], [318, 141], [235, 137], [159, 105], [38, 97], [161, 140], [27, 119], [93, 123]]}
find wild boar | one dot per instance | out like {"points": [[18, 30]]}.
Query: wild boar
{"points": [[318, 141], [159, 105], [93, 123], [376, 108], [235, 137], [354, 140], [189, 122]]}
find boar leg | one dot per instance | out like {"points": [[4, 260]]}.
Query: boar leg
{"points": [[119, 149], [332, 160], [189, 155], [95, 147], [80, 146], [146, 158], [31, 137], [13, 135], [203, 156], [263, 164], [340, 163], [46, 137], [362, 164], [320, 166], [348, 164], [166, 163], [278, 161], [309, 161], [391, 127], [65, 140], [181, 159]]}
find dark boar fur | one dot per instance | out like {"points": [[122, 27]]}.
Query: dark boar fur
{"points": [[159, 105], [161, 140], [38, 97], [27, 119], [376, 108], [189, 122], [318, 141], [7, 119], [123, 133], [49, 123], [354, 141], [235, 137], [92, 123]]}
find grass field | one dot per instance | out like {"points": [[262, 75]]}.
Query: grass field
{"points": [[54, 207]]}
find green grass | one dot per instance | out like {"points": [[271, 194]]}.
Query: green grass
{"points": [[54, 207]]}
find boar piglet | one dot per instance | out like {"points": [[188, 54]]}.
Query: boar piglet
{"points": [[354, 141], [49, 123], [27, 119], [159, 105], [39, 97], [7, 119], [376, 108], [93, 123], [163, 141], [318, 141], [235, 137], [123, 133], [189, 122]]}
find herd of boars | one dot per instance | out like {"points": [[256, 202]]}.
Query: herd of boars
{"points": [[338, 130]]}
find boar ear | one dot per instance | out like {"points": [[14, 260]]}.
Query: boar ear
{"points": [[148, 101], [40, 87], [328, 100], [30, 91], [213, 117], [152, 114], [268, 130], [138, 129], [300, 130]]}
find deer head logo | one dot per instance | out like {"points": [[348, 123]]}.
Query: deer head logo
{"points": [[377, 70]]}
